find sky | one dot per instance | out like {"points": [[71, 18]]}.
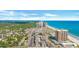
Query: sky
{"points": [[39, 14]]}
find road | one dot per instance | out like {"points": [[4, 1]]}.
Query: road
{"points": [[38, 38]]}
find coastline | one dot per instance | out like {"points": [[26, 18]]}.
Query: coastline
{"points": [[71, 37], [51, 27]]}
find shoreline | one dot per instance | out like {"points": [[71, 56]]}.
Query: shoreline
{"points": [[51, 27], [71, 37]]}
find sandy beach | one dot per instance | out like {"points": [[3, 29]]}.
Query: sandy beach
{"points": [[51, 27], [71, 38]]}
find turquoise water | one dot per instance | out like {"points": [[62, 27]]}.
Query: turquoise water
{"points": [[72, 26]]}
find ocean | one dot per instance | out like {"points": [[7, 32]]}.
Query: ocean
{"points": [[71, 26]]}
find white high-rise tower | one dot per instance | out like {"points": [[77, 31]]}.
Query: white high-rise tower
{"points": [[41, 24]]}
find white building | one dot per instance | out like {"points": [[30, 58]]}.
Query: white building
{"points": [[69, 44], [41, 24]]}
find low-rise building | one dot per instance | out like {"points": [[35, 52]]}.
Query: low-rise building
{"points": [[68, 44]]}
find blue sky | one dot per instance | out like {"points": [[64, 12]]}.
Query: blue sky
{"points": [[39, 14]]}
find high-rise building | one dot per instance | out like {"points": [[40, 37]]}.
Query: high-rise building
{"points": [[61, 35], [64, 34], [41, 24]]}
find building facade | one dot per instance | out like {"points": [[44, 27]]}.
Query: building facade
{"points": [[61, 35], [41, 24]]}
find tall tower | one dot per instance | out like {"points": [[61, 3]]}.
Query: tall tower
{"points": [[61, 35], [41, 24]]}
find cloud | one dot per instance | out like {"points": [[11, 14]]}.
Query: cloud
{"points": [[7, 13], [50, 15], [13, 15], [10, 13], [3, 11], [37, 18]]}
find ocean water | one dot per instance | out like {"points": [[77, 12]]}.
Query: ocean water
{"points": [[71, 26]]}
